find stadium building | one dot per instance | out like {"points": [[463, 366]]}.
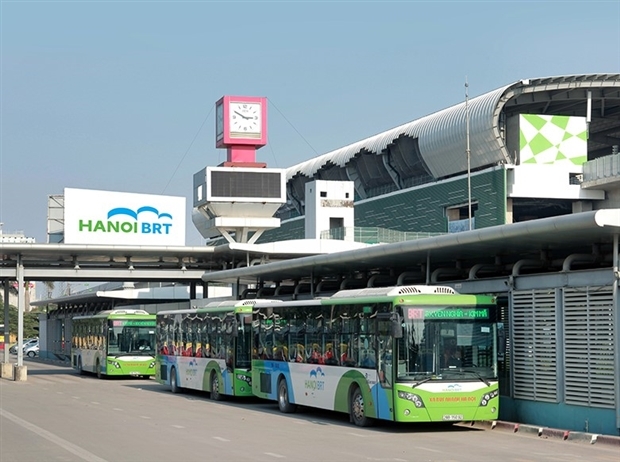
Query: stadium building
{"points": [[538, 148]]}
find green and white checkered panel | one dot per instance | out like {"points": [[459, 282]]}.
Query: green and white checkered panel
{"points": [[550, 139]]}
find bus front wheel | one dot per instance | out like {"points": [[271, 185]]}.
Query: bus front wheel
{"points": [[79, 368], [98, 369], [215, 387], [174, 387], [356, 409], [283, 401]]}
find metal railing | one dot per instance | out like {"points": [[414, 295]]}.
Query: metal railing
{"points": [[601, 168], [373, 235]]}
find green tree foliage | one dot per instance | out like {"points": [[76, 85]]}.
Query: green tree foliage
{"points": [[31, 321]]}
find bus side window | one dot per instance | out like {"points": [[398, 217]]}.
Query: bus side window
{"points": [[330, 356]]}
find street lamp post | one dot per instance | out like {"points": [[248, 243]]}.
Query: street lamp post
{"points": [[468, 151]]}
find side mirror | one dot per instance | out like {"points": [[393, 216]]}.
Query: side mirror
{"points": [[397, 325], [231, 325], [235, 327], [501, 342]]}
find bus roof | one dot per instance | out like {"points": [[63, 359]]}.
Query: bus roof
{"points": [[226, 306], [407, 295], [234, 303], [268, 303], [394, 291], [116, 314]]}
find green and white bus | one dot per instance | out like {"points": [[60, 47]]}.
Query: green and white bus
{"points": [[405, 354], [114, 343], [206, 349]]}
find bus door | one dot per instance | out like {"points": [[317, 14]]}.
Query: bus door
{"points": [[387, 326]]}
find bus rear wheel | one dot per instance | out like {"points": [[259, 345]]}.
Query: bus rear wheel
{"points": [[356, 409], [283, 401], [215, 387], [80, 368], [174, 387]]}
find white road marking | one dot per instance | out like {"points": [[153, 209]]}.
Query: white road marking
{"points": [[219, 438], [178, 426], [273, 454], [144, 417], [117, 409], [427, 449], [72, 448]]}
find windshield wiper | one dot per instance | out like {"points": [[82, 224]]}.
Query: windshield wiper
{"points": [[469, 371], [486, 382], [422, 381]]}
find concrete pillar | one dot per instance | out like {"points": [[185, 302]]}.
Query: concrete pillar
{"points": [[6, 370], [509, 212], [582, 206], [20, 373]]}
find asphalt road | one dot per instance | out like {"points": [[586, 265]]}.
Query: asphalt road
{"points": [[57, 415]]}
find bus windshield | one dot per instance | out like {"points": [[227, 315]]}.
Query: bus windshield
{"points": [[451, 343], [127, 338]]}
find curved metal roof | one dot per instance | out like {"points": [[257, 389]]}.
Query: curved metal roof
{"points": [[571, 233], [441, 135]]}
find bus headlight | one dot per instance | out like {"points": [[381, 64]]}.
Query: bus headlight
{"points": [[116, 364], [488, 396], [245, 378], [415, 399], [152, 365]]}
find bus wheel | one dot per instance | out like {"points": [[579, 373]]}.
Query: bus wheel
{"points": [[283, 402], [356, 409], [215, 387], [98, 369], [79, 368], [174, 387]]}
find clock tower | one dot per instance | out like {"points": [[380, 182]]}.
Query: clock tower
{"points": [[241, 127], [237, 199]]}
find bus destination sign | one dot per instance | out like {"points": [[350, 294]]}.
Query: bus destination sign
{"points": [[133, 323], [448, 313]]}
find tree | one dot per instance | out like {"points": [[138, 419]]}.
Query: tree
{"points": [[31, 321], [50, 288]]}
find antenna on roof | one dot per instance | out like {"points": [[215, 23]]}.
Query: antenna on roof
{"points": [[467, 150]]}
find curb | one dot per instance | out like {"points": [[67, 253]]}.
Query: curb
{"points": [[548, 433]]}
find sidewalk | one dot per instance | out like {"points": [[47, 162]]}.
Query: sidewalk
{"points": [[548, 433]]}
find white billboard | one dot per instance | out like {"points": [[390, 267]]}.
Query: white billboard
{"points": [[108, 217], [553, 139]]}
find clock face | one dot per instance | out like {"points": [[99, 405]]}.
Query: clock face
{"points": [[219, 122], [245, 120]]}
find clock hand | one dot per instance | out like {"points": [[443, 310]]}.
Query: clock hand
{"points": [[241, 115]]}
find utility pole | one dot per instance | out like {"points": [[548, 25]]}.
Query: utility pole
{"points": [[467, 150]]}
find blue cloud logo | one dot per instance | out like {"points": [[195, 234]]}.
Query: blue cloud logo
{"points": [[318, 372], [134, 214]]}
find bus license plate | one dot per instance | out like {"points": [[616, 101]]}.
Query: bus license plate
{"points": [[453, 417]]}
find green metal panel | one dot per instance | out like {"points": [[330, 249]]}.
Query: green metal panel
{"points": [[294, 229], [422, 209]]}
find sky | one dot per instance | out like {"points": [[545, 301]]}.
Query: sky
{"points": [[120, 95]]}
